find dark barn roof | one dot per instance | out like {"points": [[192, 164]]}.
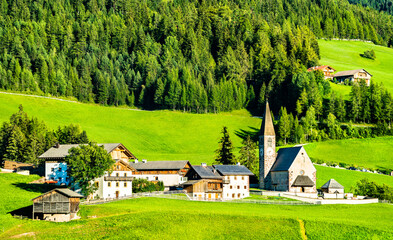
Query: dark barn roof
{"points": [[65, 191], [332, 184], [206, 172], [233, 170], [159, 165], [285, 158], [303, 181]]}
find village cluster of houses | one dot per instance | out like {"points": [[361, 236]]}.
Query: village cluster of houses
{"points": [[351, 75], [289, 170]]}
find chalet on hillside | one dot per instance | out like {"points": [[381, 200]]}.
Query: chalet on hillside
{"points": [[327, 70], [354, 76], [204, 183], [57, 205], [171, 173]]}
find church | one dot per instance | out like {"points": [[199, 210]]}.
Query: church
{"points": [[290, 169]]}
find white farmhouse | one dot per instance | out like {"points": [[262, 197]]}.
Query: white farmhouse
{"points": [[171, 173], [236, 181], [115, 184]]}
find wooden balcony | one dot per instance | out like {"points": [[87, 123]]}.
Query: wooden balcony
{"points": [[113, 178]]}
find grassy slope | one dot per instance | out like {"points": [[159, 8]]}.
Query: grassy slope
{"points": [[153, 218], [153, 135], [369, 152], [344, 55]]}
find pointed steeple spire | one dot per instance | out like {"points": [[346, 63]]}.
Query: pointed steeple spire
{"points": [[267, 128]]}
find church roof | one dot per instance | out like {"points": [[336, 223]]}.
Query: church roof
{"points": [[332, 184], [303, 181], [233, 170], [267, 127], [285, 158]]}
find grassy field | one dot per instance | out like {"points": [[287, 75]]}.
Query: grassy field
{"points": [[157, 218], [344, 55], [151, 135], [369, 152]]}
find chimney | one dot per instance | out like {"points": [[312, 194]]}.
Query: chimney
{"points": [[203, 164], [57, 145], [144, 160], [238, 163], [136, 160]]}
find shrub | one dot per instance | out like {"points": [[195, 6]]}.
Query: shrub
{"points": [[143, 185], [370, 54], [371, 189]]}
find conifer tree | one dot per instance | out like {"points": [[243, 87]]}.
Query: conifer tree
{"points": [[225, 151], [248, 155]]}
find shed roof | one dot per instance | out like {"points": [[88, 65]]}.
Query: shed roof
{"points": [[232, 170], [303, 181], [61, 151], [65, 191], [159, 165], [350, 73], [206, 172], [332, 184], [285, 158], [267, 128]]}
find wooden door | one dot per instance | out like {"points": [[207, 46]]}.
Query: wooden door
{"points": [[216, 195], [210, 196], [117, 194]]}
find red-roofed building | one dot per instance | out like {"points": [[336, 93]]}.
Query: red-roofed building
{"points": [[328, 71]]}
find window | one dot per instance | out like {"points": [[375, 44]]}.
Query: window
{"points": [[96, 184], [118, 167], [242, 178], [230, 187], [156, 178], [109, 184], [235, 178], [227, 194], [117, 174], [238, 187], [117, 184], [245, 187], [125, 174], [233, 195], [52, 169], [125, 184], [238, 195], [59, 179]]}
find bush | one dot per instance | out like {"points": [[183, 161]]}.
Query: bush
{"points": [[143, 185], [371, 189], [370, 54]]}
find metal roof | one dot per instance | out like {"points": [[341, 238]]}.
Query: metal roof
{"points": [[350, 73], [267, 127], [62, 151], [303, 181], [159, 165], [206, 172], [285, 158], [332, 184], [65, 191], [232, 170]]}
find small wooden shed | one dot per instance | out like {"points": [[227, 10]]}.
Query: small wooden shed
{"points": [[58, 205]]}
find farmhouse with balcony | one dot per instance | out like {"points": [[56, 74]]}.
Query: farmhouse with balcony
{"points": [[288, 170], [236, 181], [353, 76], [328, 71], [171, 173], [58, 205]]}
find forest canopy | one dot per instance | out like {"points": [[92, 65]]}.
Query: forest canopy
{"points": [[197, 56]]}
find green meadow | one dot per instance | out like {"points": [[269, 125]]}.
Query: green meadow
{"points": [[344, 55], [374, 153], [158, 218]]}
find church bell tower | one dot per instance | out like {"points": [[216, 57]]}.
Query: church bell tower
{"points": [[267, 149]]}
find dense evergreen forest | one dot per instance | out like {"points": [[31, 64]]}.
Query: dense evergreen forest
{"points": [[197, 56], [380, 5]]}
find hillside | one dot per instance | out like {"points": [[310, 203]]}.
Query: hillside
{"points": [[344, 55], [154, 218]]}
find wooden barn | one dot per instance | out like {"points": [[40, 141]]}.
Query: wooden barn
{"points": [[57, 205]]}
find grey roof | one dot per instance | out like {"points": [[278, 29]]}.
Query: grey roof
{"points": [[65, 191], [206, 172], [332, 184], [285, 158], [62, 151], [159, 165], [303, 181], [233, 170], [191, 182], [267, 127], [349, 73]]}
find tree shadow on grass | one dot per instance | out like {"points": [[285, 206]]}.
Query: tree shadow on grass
{"points": [[24, 212], [36, 187], [252, 132]]}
